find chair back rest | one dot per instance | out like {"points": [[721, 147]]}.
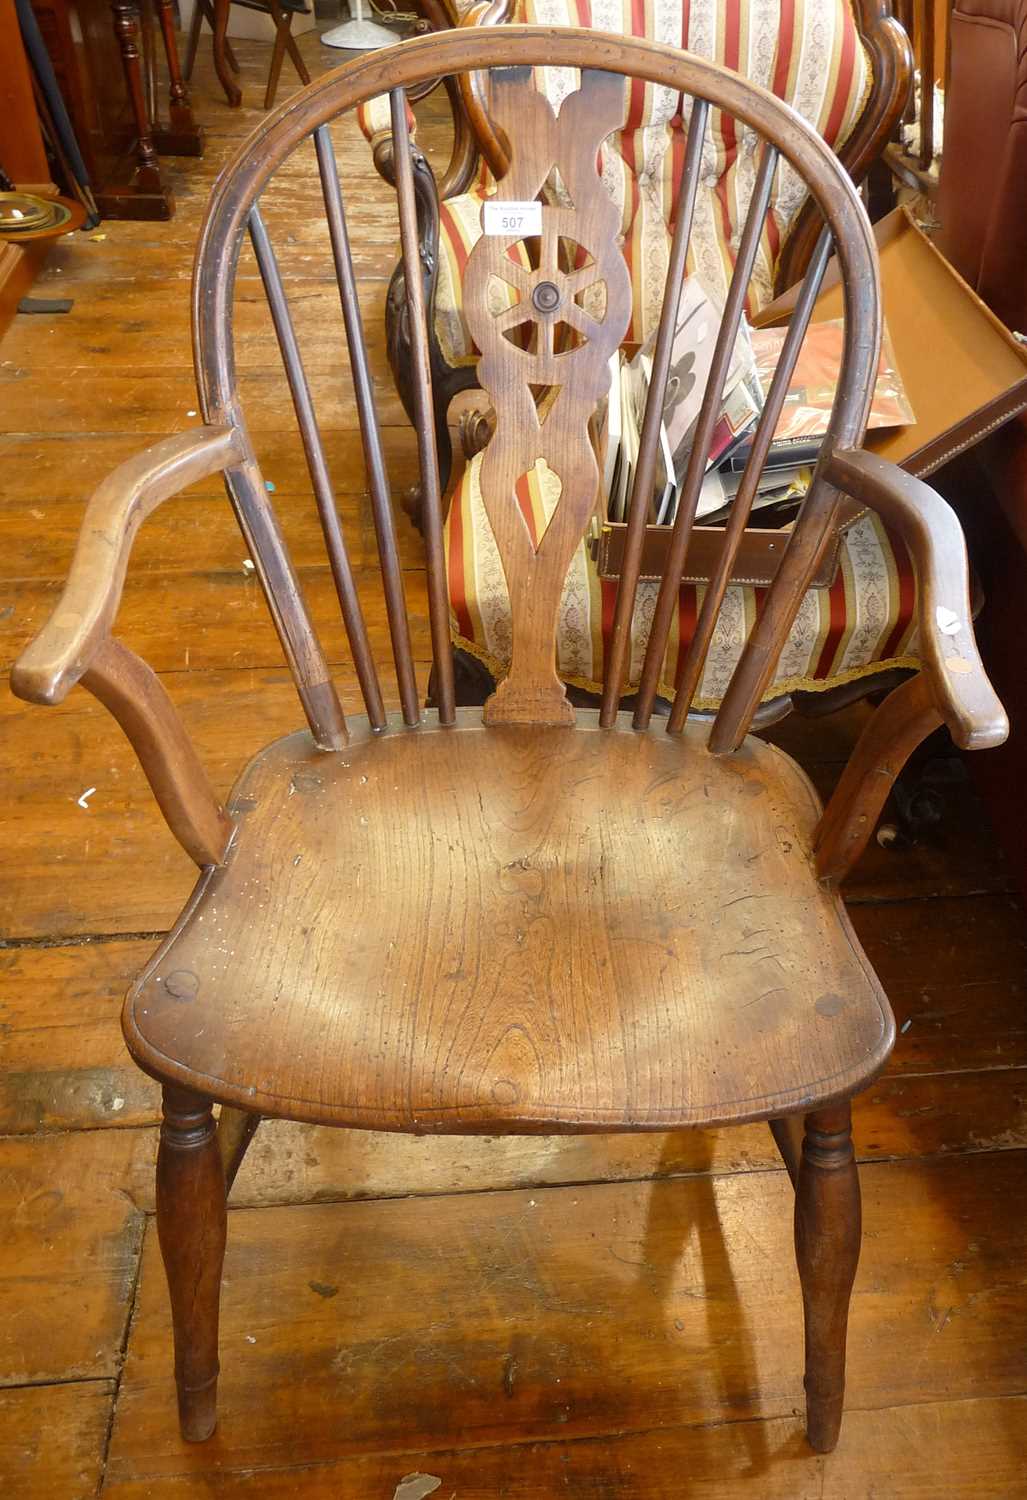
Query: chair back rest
{"points": [[807, 52], [545, 382]]}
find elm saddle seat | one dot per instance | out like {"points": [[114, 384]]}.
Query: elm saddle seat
{"points": [[438, 926]]}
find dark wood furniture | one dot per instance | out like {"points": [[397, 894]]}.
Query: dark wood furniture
{"points": [[522, 920], [216, 13], [22, 157], [104, 56], [476, 144]]}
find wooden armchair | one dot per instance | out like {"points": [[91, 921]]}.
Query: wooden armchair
{"points": [[520, 919]]}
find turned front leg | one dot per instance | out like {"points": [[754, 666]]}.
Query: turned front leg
{"points": [[191, 1222], [827, 1237]]}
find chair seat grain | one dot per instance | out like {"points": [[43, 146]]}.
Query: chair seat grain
{"points": [[515, 928]]}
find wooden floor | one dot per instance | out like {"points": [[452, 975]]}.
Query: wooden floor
{"points": [[601, 1317]]}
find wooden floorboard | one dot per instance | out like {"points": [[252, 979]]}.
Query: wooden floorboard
{"points": [[490, 1319], [524, 1318]]}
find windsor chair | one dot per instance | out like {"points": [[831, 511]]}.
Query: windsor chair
{"points": [[522, 918]]}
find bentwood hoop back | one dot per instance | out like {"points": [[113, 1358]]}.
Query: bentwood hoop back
{"points": [[523, 920]]}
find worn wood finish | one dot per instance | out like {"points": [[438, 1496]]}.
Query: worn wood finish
{"points": [[586, 929], [827, 1236], [70, 1217], [191, 1224], [527, 434], [82, 622], [53, 1438], [968, 1447], [903, 722], [955, 673], [133, 693], [491, 1027], [481, 1320]]}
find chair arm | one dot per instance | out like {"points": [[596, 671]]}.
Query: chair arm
{"points": [[76, 643], [958, 684], [64, 649]]}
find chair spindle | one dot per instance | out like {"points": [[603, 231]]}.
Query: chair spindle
{"points": [[370, 432], [438, 591], [620, 638], [691, 669], [688, 499], [317, 464]]}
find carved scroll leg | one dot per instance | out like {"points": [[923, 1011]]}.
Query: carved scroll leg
{"points": [[191, 1220], [827, 1237], [236, 1129]]}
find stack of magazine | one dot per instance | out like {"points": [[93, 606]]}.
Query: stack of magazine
{"points": [[800, 431]]}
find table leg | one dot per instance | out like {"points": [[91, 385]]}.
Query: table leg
{"points": [[183, 137], [232, 91], [126, 29]]}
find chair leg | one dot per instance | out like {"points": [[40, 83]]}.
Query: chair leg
{"points": [[827, 1238], [191, 1221]]}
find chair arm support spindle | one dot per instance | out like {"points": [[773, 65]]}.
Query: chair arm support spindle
{"points": [[951, 688], [135, 696]]}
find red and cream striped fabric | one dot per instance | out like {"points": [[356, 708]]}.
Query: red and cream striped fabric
{"points": [[805, 51], [862, 624]]}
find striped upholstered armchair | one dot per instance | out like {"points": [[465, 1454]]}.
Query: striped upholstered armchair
{"points": [[845, 73]]}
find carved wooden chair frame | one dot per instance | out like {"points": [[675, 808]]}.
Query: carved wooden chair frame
{"points": [[475, 139], [198, 1157]]}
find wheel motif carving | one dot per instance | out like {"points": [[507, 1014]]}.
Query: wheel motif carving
{"points": [[547, 314]]}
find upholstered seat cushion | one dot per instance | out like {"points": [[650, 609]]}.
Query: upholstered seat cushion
{"points": [[860, 625]]}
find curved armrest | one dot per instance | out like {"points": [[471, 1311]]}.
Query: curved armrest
{"points": [[66, 646], [76, 644], [959, 686]]}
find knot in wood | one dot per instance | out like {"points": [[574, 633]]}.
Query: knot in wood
{"points": [[182, 984]]}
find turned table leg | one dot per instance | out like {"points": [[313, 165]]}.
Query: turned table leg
{"points": [[827, 1238], [183, 136], [126, 28], [191, 1226]]}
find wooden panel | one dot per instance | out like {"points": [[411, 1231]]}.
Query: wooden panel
{"points": [[502, 1318], [53, 1439], [973, 1449], [71, 1230]]}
